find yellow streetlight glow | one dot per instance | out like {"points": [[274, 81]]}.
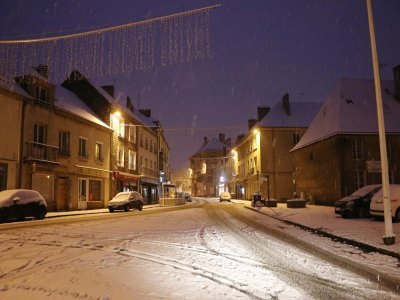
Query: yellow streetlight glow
{"points": [[117, 114]]}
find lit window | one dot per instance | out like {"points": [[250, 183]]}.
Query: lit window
{"points": [[132, 133], [83, 147], [99, 151], [132, 160], [120, 161], [204, 168]]}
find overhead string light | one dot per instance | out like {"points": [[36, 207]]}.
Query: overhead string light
{"points": [[139, 46]]}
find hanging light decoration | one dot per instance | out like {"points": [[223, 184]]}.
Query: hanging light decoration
{"points": [[139, 46]]}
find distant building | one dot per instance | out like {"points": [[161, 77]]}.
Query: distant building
{"points": [[264, 163], [203, 164], [340, 153]]}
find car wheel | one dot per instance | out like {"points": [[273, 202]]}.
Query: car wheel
{"points": [[41, 213], [140, 207], [111, 210], [126, 208]]}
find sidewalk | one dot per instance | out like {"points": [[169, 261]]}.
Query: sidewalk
{"points": [[54, 214], [365, 233]]}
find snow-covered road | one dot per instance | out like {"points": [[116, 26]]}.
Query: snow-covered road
{"points": [[214, 251]]}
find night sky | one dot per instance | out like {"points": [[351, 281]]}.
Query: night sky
{"points": [[261, 49]]}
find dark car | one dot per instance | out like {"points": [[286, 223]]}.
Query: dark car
{"points": [[187, 196], [125, 201], [357, 204], [18, 204]]}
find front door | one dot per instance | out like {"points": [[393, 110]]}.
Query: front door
{"points": [[61, 194]]}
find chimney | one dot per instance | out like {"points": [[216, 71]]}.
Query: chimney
{"points": [[109, 89], [262, 111], [205, 141], [396, 71], [146, 112], [286, 104], [222, 138], [42, 70], [251, 123], [129, 104]]}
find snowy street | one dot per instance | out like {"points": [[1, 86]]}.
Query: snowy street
{"points": [[207, 251]]}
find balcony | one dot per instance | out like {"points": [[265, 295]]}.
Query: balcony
{"points": [[145, 171], [38, 152]]}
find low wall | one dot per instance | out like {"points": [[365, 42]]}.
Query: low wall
{"points": [[172, 201]]}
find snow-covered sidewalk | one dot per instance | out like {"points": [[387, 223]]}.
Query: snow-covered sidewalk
{"points": [[324, 219]]}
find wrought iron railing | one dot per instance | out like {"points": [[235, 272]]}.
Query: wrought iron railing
{"points": [[42, 152]]}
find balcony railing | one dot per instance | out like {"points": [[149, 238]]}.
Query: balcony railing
{"points": [[145, 171], [42, 153]]}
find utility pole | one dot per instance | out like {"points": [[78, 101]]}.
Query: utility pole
{"points": [[389, 237]]}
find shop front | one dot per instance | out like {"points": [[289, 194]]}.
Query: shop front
{"points": [[149, 190]]}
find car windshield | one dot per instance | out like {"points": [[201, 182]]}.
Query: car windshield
{"points": [[123, 196], [364, 190]]}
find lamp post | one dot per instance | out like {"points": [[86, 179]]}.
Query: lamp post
{"points": [[389, 237]]}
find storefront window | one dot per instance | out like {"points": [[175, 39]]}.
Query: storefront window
{"points": [[82, 189], [3, 177], [94, 190]]}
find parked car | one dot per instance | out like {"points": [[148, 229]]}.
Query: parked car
{"points": [[21, 203], [187, 196], [225, 196], [125, 201], [357, 204], [376, 206]]}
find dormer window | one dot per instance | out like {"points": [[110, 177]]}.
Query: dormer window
{"points": [[41, 94]]}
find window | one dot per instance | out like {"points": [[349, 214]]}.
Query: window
{"points": [[94, 190], [63, 142], [155, 165], [41, 94], [141, 163], [358, 149], [132, 133], [140, 139], [120, 161], [83, 147], [117, 124], [40, 133], [151, 147], [3, 176], [132, 160], [82, 190], [296, 138], [155, 148], [146, 143], [312, 156], [204, 168], [99, 151], [359, 179]]}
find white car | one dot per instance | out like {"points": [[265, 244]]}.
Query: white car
{"points": [[376, 206], [21, 203], [225, 196], [125, 201]]}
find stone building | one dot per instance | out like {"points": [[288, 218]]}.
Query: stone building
{"points": [[339, 152]]}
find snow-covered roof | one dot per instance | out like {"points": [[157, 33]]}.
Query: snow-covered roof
{"points": [[301, 115], [70, 102], [351, 109], [214, 144], [12, 86]]}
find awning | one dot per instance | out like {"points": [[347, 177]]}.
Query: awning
{"points": [[149, 180]]}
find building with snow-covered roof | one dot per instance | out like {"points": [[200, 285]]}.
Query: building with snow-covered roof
{"points": [[135, 145], [339, 152], [64, 147], [264, 162], [203, 164], [12, 101]]}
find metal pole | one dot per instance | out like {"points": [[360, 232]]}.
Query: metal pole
{"points": [[389, 237]]}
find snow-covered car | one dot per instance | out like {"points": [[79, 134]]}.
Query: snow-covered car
{"points": [[125, 201], [376, 206], [21, 203], [187, 196], [225, 196], [357, 204]]}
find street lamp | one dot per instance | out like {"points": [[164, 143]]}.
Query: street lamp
{"points": [[389, 237]]}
